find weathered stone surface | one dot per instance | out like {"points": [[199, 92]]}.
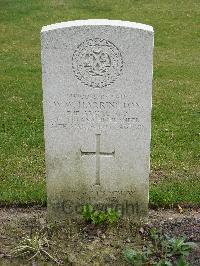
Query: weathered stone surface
{"points": [[97, 83]]}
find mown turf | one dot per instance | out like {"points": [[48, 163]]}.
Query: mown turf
{"points": [[176, 116]]}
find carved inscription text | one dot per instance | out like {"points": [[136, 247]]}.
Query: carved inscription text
{"points": [[99, 111]]}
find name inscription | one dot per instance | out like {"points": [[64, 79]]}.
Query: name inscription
{"points": [[83, 111]]}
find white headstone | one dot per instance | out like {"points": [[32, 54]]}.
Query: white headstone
{"points": [[97, 83]]}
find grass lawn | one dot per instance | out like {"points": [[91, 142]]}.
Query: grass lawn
{"points": [[176, 93]]}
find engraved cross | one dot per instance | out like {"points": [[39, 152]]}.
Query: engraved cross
{"points": [[98, 153]]}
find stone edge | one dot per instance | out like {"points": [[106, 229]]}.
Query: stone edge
{"points": [[97, 22]]}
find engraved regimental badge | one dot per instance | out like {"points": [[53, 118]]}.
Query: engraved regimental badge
{"points": [[97, 63]]}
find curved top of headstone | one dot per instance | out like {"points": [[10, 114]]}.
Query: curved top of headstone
{"points": [[97, 22]]}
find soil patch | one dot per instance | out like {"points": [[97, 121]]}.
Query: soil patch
{"points": [[77, 243]]}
